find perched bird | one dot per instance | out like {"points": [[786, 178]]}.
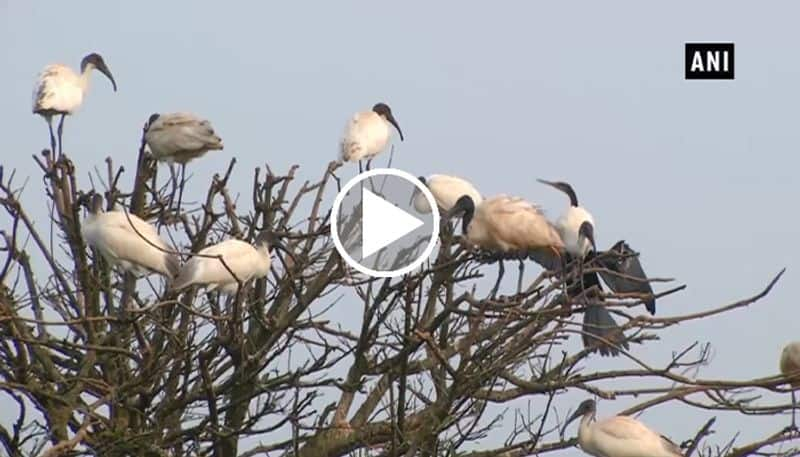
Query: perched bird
{"points": [[576, 228], [575, 225], [367, 134], [504, 224], [600, 330], [625, 274], [180, 138], [506, 227], [618, 436], [126, 240], [213, 265], [790, 368], [622, 273], [446, 190], [60, 91]]}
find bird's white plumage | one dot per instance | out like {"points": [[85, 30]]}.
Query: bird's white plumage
{"points": [[59, 90], [568, 226], [130, 242], [622, 436], [181, 137], [790, 362], [446, 190], [243, 259], [511, 224], [365, 136]]}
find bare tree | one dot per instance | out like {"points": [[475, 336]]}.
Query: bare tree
{"points": [[97, 362]]}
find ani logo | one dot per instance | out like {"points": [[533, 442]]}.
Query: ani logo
{"points": [[709, 60]]}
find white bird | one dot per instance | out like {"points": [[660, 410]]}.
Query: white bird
{"points": [[446, 191], [213, 265], [367, 134], [507, 227], [576, 228], [575, 225], [790, 368], [618, 436], [60, 91], [180, 138], [126, 240]]}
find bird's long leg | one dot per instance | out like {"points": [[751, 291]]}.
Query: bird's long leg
{"points": [[60, 135], [521, 272], [52, 136], [338, 181], [180, 188], [564, 271], [174, 175], [360, 167], [369, 164], [500, 273], [794, 409]]}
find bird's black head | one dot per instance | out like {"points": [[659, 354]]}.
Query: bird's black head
{"points": [[96, 203], [153, 117], [563, 187], [266, 238], [586, 407], [465, 206], [96, 60], [382, 109]]}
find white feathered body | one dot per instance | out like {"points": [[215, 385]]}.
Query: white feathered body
{"points": [[181, 137], [622, 436], [511, 224], [365, 136], [130, 242], [243, 259], [568, 226], [59, 90], [790, 363], [446, 191]]}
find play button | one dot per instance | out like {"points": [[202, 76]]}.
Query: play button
{"points": [[375, 228], [383, 223]]}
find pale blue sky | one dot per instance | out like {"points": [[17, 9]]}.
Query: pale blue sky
{"points": [[697, 175]]}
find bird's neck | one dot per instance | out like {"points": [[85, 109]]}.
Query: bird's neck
{"points": [[585, 430], [86, 75], [263, 249], [466, 219]]}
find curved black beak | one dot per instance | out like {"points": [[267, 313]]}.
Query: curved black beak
{"points": [[393, 121], [465, 207], [276, 244], [578, 413], [103, 68], [587, 230], [461, 207]]}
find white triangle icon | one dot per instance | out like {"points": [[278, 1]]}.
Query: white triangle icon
{"points": [[382, 223]]}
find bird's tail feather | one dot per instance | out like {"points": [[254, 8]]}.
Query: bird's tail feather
{"points": [[600, 330]]}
